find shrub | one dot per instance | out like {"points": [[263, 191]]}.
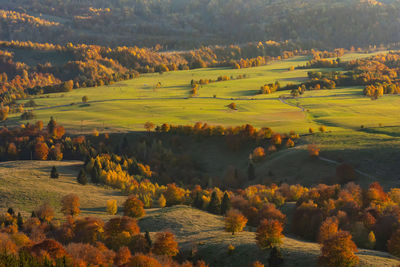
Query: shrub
{"points": [[232, 106], [85, 99], [269, 234], [231, 249], [161, 201], [322, 129], [234, 221], [313, 150]]}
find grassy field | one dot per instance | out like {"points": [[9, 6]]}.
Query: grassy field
{"points": [[25, 185], [204, 231], [126, 106]]}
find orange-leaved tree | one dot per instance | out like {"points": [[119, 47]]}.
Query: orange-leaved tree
{"points": [[339, 251], [165, 244], [269, 234], [235, 221]]}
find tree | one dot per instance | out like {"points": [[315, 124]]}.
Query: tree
{"points": [[149, 126], [338, 251], [161, 201], [67, 86], [234, 221], [256, 264], [54, 173], [70, 205], [275, 257], [215, 204], [165, 244], [148, 238], [112, 207], [258, 154], [45, 213], [51, 126], [393, 244], [88, 230], [82, 178], [269, 234], [133, 207], [119, 231], [328, 229], [232, 106], [141, 260], [3, 113], [51, 247], [174, 195], [226, 204], [123, 256], [41, 151], [251, 172], [85, 99]]}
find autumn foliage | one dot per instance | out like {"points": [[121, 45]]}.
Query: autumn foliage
{"points": [[338, 251], [235, 221], [269, 234]]}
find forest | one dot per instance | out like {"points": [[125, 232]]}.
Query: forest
{"points": [[187, 24]]}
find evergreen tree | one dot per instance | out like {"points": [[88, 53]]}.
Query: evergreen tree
{"points": [[51, 125], [54, 173], [251, 172], [215, 204], [148, 238], [275, 257], [11, 211], [20, 221], [82, 179], [226, 204], [198, 201]]}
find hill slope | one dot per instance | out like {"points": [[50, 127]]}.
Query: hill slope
{"points": [[24, 185], [197, 228]]}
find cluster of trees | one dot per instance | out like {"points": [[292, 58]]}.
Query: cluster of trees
{"points": [[34, 141], [270, 88], [83, 241], [369, 215], [196, 84], [379, 74]]}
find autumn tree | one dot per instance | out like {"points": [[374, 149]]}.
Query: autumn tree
{"points": [[70, 205], [269, 234], [258, 154], [338, 251], [133, 207], [393, 244], [165, 244], [45, 213], [118, 232], [149, 126], [112, 207], [174, 195], [123, 256], [88, 230], [235, 221], [49, 247], [141, 260], [161, 201], [41, 151], [328, 229]]}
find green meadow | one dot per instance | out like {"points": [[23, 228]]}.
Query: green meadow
{"points": [[127, 105]]}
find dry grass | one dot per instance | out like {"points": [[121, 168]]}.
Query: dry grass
{"points": [[195, 228], [24, 185]]}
